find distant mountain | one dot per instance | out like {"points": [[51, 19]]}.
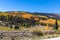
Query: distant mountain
{"points": [[49, 15]]}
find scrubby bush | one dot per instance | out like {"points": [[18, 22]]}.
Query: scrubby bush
{"points": [[58, 31], [37, 31], [16, 27]]}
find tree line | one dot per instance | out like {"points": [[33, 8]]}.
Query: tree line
{"points": [[18, 21]]}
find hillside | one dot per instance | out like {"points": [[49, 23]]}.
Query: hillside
{"points": [[28, 19], [22, 13], [26, 25]]}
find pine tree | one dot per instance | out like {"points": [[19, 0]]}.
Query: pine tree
{"points": [[56, 25]]}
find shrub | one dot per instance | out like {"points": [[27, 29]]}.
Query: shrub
{"points": [[37, 31], [17, 27], [58, 31]]}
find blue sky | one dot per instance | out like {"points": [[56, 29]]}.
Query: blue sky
{"points": [[47, 6]]}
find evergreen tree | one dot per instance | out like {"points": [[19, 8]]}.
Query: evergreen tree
{"points": [[16, 26], [56, 25]]}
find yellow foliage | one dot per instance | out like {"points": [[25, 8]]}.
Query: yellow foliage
{"points": [[36, 18], [58, 28], [5, 28], [58, 22], [43, 16], [43, 21], [5, 14], [26, 15], [47, 27], [51, 21]]}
